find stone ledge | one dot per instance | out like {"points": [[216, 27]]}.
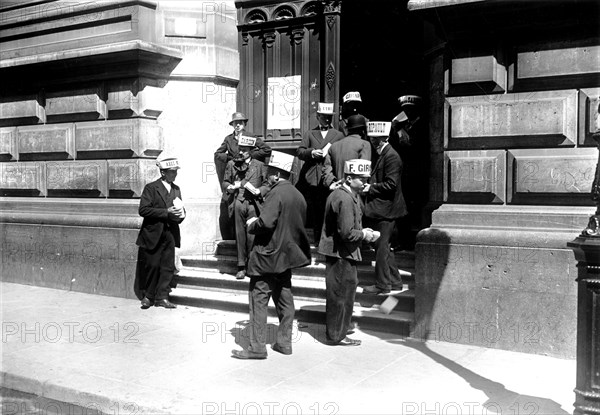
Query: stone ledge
{"points": [[70, 219]]}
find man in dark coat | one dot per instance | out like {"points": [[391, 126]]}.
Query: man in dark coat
{"points": [[226, 152], [280, 245], [340, 242], [384, 204], [312, 151], [246, 183], [354, 146], [162, 210]]}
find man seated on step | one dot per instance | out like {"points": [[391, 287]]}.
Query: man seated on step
{"points": [[341, 239], [245, 183]]}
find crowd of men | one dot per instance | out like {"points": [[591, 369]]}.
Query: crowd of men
{"points": [[349, 184]]}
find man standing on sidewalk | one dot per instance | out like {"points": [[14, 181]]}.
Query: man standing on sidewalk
{"points": [[312, 151], [245, 182], [384, 204], [341, 239], [280, 245], [162, 210]]}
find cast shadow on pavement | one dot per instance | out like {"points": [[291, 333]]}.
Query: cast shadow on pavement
{"points": [[500, 400], [241, 333]]}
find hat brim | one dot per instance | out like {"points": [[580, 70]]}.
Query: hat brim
{"points": [[239, 119], [326, 113]]}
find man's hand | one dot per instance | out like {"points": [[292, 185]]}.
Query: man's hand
{"points": [[367, 234], [177, 212], [317, 154], [366, 188], [335, 185], [251, 221]]}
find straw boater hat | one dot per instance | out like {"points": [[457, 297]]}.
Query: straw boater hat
{"points": [[238, 116], [358, 167], [165, 162], [281, 161], [379, 128], [325, 108]]}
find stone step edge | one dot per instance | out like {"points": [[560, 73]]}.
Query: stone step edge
{"points": [[241, 299], [231, 261]]}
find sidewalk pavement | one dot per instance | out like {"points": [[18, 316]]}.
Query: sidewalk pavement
{"points": [[107, 354]]}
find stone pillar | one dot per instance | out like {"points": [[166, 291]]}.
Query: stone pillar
{"points": [[587, 253], [331, 62]]}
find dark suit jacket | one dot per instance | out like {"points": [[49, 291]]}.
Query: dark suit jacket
{"points": [[312, 169], [153, 208], [342, 228], [256, 175], [229, 148], [281, 242], [385, 199], [348, 148]]}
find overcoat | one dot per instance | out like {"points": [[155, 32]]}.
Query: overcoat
{"points": [[348, 148], [312, 169], [342, 228], [153, 208], [281, 242], [384, 199]]}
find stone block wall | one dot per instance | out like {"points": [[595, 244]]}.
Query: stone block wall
{"points": [[511, 112], [91, 94]]}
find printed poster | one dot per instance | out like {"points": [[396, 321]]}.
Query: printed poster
{"points": [[283, 110]]}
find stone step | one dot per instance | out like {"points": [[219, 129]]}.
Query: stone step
{"points": [[404, 259], [312, 289], [370, 318], [226, 264]]}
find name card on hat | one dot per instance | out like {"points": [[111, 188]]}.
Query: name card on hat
{"points": [[352, 96], [247, 141], [325, 108], [409, 99], [168, 163], [358, 167], [379, 128], [282, 161]]}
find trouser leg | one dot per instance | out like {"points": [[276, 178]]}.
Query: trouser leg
{"points": [[284, 304], [258, 296], [166, 267], [340, 284], [384, 257]]}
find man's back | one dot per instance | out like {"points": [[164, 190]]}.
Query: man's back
{"points": [[351, 147]]}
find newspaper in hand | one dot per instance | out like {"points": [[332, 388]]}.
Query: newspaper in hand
{"points": [[326, 149], [252, 189], [178, 203]]}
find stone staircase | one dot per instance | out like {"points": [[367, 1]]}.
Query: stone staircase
{"points": [[208, 281]]}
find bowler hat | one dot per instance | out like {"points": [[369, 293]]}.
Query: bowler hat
{"points": [[356, 121], [238, 116]]}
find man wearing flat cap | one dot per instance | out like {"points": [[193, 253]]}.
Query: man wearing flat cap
{"points": [[162, 209], [280, 245], [227, 151], [312, 151]]}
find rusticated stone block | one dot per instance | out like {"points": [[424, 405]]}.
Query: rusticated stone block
{"points": [[131, 100], [86, 104], [23, 178], [43, 142], [475, 176], [558, 62], [8, 144], [77, 178], [478, 73], [589, 99], [27, 111], [551, 175], [127, 178], [118, 139], [535, 119]]}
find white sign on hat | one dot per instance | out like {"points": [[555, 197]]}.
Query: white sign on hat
{"points": [[325, 108], [358, 167], [352, 96], [379, 128], [167, 163], [246, 141], [282, 161]]}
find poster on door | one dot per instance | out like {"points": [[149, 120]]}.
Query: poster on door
{"points": [[283, 110]]}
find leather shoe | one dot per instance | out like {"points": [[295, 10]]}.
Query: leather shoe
{"points": [[147, 303], [372, 289], [164, 303], [241, 274], [281, 349], [246, 354], [347, 341]]}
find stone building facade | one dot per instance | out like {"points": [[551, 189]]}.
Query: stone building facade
{"points": [[91, 93]]}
